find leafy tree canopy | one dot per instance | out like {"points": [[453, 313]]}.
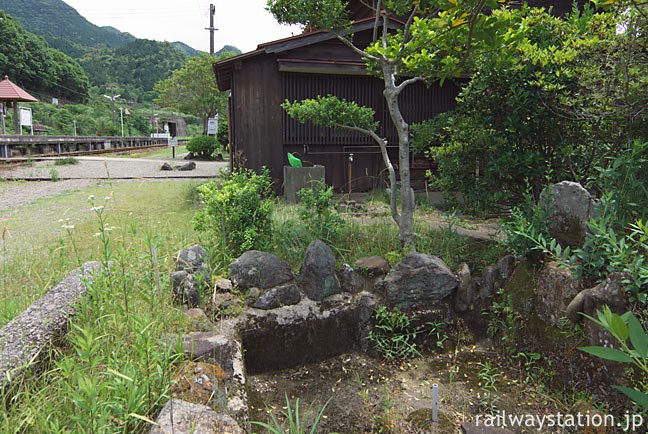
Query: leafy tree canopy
{"points": [[31, 63], [193, 89]]}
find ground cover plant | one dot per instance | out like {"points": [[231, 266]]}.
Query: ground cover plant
{"points": [[34, 260], [111, 374]]}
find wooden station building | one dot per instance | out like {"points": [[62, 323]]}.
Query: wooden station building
{"points": [[305, 66]]}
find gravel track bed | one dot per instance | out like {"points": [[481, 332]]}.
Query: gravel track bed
{"points": [[19, 190]]}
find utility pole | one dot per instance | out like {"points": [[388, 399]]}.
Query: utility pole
{"points": [[112, 98], [211, 28]]}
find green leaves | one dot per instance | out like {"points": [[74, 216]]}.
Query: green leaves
{"points": [[193, 89], [330, 111], [318, 14], [624, 327], [608, 354]]}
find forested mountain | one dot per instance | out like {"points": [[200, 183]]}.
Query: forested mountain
{"points": [[134, 68], [228, 48], [31, 63], [108, 56], [186, 49], [55, 19]]}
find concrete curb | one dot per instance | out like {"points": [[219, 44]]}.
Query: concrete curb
{"points": [[24, 341]]}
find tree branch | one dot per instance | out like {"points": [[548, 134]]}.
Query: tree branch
{"points": [[382, 143], [407, 82], [349, 44]]}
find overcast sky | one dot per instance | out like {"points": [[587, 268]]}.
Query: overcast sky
{"points": [[242, 23]]}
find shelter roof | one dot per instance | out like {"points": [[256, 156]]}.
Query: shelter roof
{"points": [[11, 92]]}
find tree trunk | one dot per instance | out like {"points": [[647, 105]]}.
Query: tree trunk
{"points": [[406, 223]]}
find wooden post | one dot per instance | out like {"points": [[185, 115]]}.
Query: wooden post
{"points": [[2, 117], [16, 120]]}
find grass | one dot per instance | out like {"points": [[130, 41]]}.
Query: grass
{"points": [[67, 161], [379, 236], [37, 251], [110, 375]]}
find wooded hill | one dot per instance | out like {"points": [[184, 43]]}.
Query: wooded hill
{"points": [[108, 57]]}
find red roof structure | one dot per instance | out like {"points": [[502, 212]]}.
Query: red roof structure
{"points": [[11, 92]]}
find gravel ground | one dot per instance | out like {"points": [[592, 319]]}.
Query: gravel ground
{"points": [[27, 184]]}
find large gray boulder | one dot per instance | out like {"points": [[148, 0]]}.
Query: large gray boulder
{"points": [[260, 270], [317, 276], [556, 289], [185, 288], [609, 293], [193, 259], [571, 207], [284, 295], [417, 280]]}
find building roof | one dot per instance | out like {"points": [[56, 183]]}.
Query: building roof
{"points": [[223, 68], [11, 92]]}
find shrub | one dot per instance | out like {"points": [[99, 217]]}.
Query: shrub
{"points": [[203, 146], [317, 211], [237, 212]]}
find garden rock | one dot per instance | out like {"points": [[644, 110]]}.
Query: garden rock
{"points": [[317, 276], [419, 279], [187, 166], [610, 292], [223, 300], [166, 166], [506, 266], [471, 428], [352, 281], [185, 288], [200, 382], [198, 320], [192, 259], [259, 269], [571, 208], [224, 285], [189, 156], [487, 288], [284, 295], [210, 347], [372, 266], [183, 417], [556, 288], [465, 290]]}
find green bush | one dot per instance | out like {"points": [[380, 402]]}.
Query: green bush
{"points": [[237, 213], [203, 146], [317, 212]]}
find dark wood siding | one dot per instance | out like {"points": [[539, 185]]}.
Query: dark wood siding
{"points": [[258, 115]]}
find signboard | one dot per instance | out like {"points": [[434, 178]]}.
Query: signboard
{"points": [[26, 119], [173, 141], [25, 116], [212, 125]]}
